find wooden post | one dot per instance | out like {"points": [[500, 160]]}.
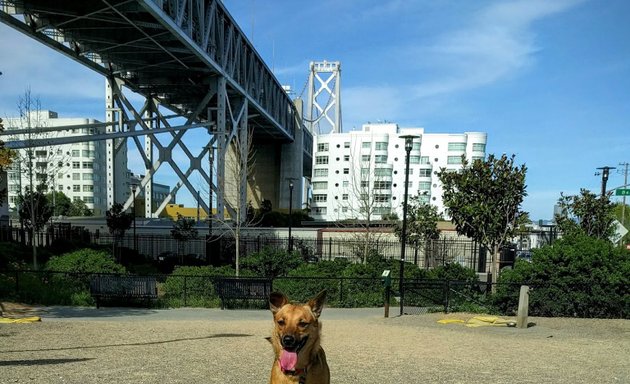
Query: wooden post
{"points": [[523, 307]]}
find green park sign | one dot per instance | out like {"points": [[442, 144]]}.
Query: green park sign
{"points": [[622, 192]]}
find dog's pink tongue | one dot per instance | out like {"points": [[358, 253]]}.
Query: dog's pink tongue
{"points": [[288, 360]]}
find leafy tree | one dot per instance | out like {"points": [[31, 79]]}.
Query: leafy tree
{"points": [[6, 158], [79, 208], [118, 222], [586, 213], [34, 213], [183, 230], [484, 201], [61, 204], [422, 219]]}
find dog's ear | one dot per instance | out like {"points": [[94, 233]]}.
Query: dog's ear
{"points": [[277, 300], [317, 303]]}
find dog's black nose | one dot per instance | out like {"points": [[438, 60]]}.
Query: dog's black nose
{"points": [[288, 341]]}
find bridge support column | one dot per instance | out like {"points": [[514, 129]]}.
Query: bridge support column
{"points": [[116, 152]]}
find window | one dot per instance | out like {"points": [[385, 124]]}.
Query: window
{"points": [[414, 159], [365, 158], [346, 184], [14, 176], [322, 147], [380, 159], [346, 171], [88, 188], [88, 153], [344, 196], [424, 159], [88, 165], [365, 184], [346, 144], [344, 209], [479, 147], [76, 176], [456, 146], [346, 157], [477, 158], [424, 185], [382, 185], [14, 188], [88, 199], [424, 173], [321, 160], [319, 210], [320, 198], [382, 210], [365, 172], [321, 172], [41, 153], [76, 153], [424, 199], [41, 164], [366, 145], [320, 185], [382, 198], [454, 160], [380, 146], [416, 146], [76, 164], [76, 188], [382, 172], [88, 176]]}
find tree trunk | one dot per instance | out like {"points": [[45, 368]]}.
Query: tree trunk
{"points": [[494, 267], [237, 237]]}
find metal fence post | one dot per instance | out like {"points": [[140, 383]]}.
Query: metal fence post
{"points": [[341, 290], [447, 292], [185, 291]]}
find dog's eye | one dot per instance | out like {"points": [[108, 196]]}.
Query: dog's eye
{"points": [[281, 322], [303, 324]]}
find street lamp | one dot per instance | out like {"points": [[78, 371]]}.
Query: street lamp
{"points": [[403, 233], [290, 213], [133, 209]]}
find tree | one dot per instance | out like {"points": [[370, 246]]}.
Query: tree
{"points": [[586, 213], [233, 185], [183, 230], [34, 213], [79, 208], [6, 158], [118, 222], [422, 219], [366, 198], [484, 201], [61, 204]]}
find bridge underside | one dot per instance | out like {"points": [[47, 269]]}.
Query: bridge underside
{"points": [[190, 57]]}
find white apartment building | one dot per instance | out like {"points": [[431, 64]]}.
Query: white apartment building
{"points": [[77, 170], [362, 173]]}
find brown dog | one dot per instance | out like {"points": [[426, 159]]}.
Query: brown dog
{"points": [[299, 358]]}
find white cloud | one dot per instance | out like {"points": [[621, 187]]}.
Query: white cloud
{"points": [[498, 43], [362, 104]]}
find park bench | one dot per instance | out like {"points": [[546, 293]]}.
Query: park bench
{"points": [[234, 288], [123, 288]]}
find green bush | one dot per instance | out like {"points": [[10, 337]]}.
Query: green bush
{"points": [[576, 276], [271, 262], [192, 287]]}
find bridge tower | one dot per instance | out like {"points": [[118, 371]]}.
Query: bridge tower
{"points": [[323, 108]]}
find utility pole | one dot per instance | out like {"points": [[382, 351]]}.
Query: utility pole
{"points": [[625, 184], [605, 173]]}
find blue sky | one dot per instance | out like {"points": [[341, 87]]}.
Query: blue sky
{"points": [[549, 81]]}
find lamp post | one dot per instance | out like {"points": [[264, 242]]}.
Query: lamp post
{"points": [[133, 210], [211, 174], [290, 213], [403, 233]]}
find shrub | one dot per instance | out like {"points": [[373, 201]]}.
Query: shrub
{"points": [[271, 262], [192, 286], [576, 276]]}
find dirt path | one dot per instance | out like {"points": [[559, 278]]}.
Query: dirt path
{"points": [[363, 348]]}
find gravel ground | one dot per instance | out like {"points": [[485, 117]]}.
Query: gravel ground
{"points": [[213, 346]]}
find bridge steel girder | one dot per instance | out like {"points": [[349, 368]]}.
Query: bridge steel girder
{"points": [[188, 56]]}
